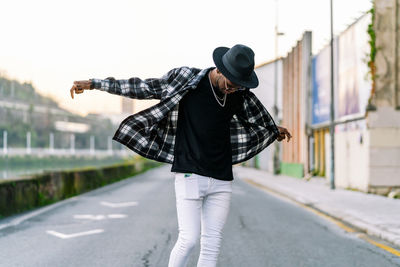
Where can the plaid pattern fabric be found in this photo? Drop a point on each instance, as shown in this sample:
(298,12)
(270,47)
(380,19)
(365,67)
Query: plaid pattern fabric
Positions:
(151,132)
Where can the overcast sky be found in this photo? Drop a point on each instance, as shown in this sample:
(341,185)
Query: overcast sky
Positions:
(52,43)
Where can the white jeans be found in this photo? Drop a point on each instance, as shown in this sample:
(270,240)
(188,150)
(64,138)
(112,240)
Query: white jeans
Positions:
(201,202)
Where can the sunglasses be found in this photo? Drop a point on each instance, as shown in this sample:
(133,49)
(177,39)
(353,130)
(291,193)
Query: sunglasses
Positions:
(233,88)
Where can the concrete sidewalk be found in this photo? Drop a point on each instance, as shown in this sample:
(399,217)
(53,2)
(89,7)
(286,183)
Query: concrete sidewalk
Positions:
(374,214)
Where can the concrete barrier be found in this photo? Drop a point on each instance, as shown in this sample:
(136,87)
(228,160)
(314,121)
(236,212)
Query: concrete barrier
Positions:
(43,189)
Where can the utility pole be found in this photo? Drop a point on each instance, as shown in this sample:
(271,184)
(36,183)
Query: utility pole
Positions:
(332,122)
(109,145)
(51,143)
(276,110)
(28,143)
(72,143)
(12,89)
(91,145)
(5,143)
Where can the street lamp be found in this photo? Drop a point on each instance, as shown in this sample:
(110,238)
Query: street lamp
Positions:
(276,110)
(332,122)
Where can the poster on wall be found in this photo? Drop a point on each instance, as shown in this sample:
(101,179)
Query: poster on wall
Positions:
(321,85)
(354,85)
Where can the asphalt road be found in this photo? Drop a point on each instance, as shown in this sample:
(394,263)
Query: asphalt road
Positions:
(133,223)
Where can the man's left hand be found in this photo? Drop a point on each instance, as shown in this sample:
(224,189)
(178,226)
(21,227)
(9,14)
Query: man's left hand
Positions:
(283,133)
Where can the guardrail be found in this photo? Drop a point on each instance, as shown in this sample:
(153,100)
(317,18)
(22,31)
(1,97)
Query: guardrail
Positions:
(65,152)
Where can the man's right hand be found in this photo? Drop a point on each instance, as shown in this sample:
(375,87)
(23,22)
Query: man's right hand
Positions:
(80,86)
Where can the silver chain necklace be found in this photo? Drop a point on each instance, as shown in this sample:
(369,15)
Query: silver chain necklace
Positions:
(215,95)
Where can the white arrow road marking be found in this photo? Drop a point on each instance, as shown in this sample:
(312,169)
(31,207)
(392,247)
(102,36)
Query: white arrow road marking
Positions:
(20,219)
(99,217)
(90,217)
(118,205)
(65,236)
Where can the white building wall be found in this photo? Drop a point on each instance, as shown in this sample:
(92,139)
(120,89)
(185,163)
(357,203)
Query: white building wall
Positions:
(265,93)
(351,156)
(353,88)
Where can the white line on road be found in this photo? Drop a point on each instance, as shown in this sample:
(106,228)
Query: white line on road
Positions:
(117,216)
(65,236)
(118,205)
(90,217)
(99,217)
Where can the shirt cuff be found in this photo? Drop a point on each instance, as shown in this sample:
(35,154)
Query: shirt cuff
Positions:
(97,84)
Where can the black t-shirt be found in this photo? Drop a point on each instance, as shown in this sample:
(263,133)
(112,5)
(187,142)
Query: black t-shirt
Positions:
(202,143)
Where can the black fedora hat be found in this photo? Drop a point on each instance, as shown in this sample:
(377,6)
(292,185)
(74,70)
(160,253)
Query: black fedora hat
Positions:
(237,65)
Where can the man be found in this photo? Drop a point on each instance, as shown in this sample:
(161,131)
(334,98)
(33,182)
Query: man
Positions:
(220,123)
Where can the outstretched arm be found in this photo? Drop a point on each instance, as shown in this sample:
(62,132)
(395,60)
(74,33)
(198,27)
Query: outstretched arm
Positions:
(133,88)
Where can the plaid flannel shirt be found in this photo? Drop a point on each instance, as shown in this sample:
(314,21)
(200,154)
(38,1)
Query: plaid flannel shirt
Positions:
(151,132)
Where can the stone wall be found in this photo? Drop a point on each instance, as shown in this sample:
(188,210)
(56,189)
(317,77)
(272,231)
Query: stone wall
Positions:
(24,194)
(384,122)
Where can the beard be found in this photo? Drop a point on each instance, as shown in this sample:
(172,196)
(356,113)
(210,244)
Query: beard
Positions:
(219,89)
